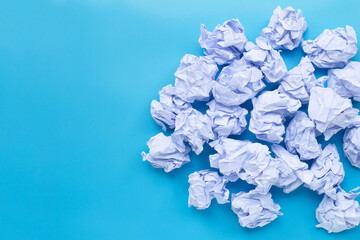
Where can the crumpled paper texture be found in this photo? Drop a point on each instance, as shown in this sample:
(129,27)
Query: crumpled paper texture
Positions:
(225,43)
(266,58)
(226,120)
(339,213)
(204,186)
(351,143)
(285,29)
(194,78)
(163,153)
(245,67)
(248,161)
(298,82)
(300,137)
(237,83)
(346,81)
(292,171)
(328,171)
(193,127)
(329,111)
(254,209)
(165,111)
(332,48)
(267,117)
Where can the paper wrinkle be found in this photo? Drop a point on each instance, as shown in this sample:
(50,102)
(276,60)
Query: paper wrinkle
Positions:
(237,83)
(332,48)
(291,170)
(329,111)
(268,114)
(226,120)
(346,82)
(165,111)
(195,77)
(298,82)
(266,58)
(300,137)
(204,186)
(254,209)
(193,127)
(248,161)
(163,153)
(225,43)
(285,29)
(328,171)
(351,143)
(339,213)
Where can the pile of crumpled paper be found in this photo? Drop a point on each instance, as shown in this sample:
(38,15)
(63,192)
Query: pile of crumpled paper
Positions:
(246,67)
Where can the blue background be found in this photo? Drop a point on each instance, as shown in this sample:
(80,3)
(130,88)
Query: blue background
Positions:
(76,81)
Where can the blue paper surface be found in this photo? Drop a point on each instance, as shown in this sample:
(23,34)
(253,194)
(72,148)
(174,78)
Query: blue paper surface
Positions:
(76,81)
